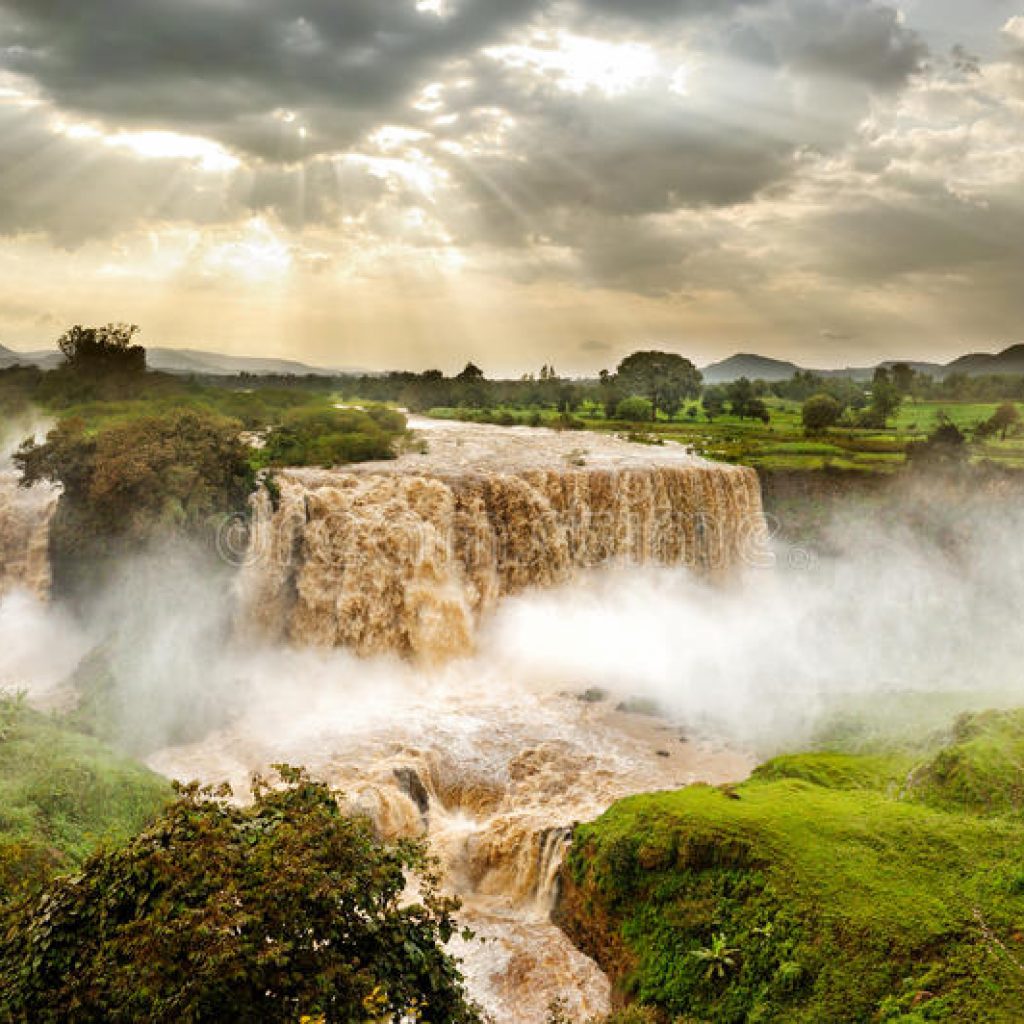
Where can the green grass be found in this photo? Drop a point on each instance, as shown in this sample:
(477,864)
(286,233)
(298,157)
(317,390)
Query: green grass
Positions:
(61,795)
(849,888)
(781,444)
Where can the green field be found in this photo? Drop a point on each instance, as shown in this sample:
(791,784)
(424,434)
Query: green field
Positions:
(880,886)
(782,443)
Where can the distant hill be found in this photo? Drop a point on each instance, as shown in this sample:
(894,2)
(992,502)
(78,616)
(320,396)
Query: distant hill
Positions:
(184,360)
(1010,360)
(865,373)
(191,360)
(754,367)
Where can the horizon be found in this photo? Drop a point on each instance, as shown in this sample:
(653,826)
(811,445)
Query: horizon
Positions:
(457,365)
(413,183)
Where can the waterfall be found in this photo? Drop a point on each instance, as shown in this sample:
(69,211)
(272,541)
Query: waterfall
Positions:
(25,515)
(407,557)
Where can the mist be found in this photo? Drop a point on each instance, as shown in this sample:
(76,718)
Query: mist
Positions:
(897,622)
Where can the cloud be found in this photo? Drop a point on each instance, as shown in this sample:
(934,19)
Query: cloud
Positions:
(859,40)
(238,72)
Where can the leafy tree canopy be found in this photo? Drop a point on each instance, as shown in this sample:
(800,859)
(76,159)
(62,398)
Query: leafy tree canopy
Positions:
(820,412)
(132,481)
(283,909)
(103,349)
(667,379)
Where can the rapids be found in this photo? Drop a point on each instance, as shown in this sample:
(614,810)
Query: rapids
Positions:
(361,651)
(492,771)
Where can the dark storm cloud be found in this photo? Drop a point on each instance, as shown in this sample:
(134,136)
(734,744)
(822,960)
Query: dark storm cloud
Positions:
(859,40)
(666,10)
(222,67)
(653,150)
(930,233)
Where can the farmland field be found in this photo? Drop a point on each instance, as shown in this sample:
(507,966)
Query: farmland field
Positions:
(782,443)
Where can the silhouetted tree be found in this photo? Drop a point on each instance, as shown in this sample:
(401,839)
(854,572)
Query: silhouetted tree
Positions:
(107,349)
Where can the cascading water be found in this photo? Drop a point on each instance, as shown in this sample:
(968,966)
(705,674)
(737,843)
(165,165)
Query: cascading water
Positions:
(410,558)
(407,557)
(382,578)
(492,771)
(25,515)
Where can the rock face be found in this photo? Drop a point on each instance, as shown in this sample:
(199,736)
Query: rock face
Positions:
(406,557)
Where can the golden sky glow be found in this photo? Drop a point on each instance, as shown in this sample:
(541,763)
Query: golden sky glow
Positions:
(397,183)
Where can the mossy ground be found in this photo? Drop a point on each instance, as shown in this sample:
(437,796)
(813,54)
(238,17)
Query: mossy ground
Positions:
(829,887)
(61,795)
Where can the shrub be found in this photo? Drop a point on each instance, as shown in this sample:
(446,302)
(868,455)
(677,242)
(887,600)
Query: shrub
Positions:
(133,480)
(272,912)
(635,409)
(329,436)
(820,412)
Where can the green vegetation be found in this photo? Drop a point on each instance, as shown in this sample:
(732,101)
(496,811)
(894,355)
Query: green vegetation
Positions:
(666,380)
(133,481)
(272,912)
(635,410)
(61,795)
(145,456)
(820,412)
(829,887)
(331,436)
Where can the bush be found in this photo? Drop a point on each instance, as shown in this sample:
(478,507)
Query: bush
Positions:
(280,910)
(329,436)
(635,409)
(820,412)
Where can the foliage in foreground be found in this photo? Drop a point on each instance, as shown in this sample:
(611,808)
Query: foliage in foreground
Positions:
(829,887)
(271,912)
(61,793)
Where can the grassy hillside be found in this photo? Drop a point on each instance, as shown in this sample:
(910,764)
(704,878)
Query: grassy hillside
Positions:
(61,795)
(828,887)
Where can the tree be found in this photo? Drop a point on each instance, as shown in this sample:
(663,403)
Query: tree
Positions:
(744,402)
(885,396)
(107,349)
(634,409)
(945,448)
(903,378)
(272,912)
(132,481)
(820,412)
(667,379)
(471,374)
(1005,418)
(713,402)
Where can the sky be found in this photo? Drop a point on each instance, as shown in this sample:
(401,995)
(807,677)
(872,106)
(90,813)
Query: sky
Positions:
(414,183)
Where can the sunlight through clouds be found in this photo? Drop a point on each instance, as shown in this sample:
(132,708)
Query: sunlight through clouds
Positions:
(577,63)
(707,176)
